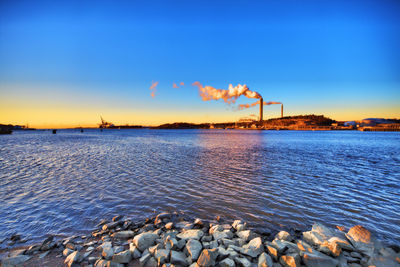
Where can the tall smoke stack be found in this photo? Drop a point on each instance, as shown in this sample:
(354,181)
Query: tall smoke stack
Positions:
(281,110)
(261,109)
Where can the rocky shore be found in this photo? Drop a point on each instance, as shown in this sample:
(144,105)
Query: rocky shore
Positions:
(169,239)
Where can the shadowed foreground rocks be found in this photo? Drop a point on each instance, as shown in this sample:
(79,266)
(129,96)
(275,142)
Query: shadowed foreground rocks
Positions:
(169,240)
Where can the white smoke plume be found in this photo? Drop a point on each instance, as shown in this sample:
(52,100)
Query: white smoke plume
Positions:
(174,85)
(229,96)
(244,106)
(153,88)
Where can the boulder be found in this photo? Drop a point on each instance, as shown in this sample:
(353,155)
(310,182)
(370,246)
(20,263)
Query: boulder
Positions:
(178,258)
(145,240)
(191,234)
(207,257)
(273,252)
(318,259)
(242,262)
(225,234)
(169,225)
(290,260)
(194,248)
(264,260)
(123,234)
(122,257)
(283,235)
(73,258)
(253,248)
(227,263)
(151,262)
(107,253)
(135,251)
(246,235)
(216,228)
(145,257)
(162,256)
(362,240)
(16,260)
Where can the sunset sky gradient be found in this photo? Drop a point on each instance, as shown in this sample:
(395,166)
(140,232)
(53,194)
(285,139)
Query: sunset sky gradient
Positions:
(63,64)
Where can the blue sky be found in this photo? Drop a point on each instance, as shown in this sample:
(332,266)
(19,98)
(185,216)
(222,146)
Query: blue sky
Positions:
(338,58)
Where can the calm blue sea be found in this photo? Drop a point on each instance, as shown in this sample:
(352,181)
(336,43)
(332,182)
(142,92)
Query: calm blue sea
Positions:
(65,183)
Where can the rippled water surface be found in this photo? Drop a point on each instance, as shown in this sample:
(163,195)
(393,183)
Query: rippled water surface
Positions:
(66,183)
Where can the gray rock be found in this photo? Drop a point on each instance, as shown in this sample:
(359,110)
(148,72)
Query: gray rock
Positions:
(73,258)
(67,251)
(153,249)
(101,263)
(135,251)
(12,261)
(32,249)
(198,222)
(265,260)
(228,242)
(169,225)
(283,235)
(151,262)
(214,244)
(381,261)
(225,234)
(178,258)
(290,260)
(122,257)
(107,253)
(16,252)
(145,257)
(273,252)
(191,234)
(171,243)
(242,262)
(123,234)
(118,249)
(253,248)
(194,248)
(227,263)
(363,240)
(206,238)
(109,226)
(216,228)
(236,223)
(114,264)
(145,240)
(246,235)
(207,257)
(41,256)
(318,259)
(181,243)
(162,256)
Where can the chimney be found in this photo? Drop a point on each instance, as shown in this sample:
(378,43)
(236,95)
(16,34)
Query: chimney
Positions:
(261,109)
(281,110)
